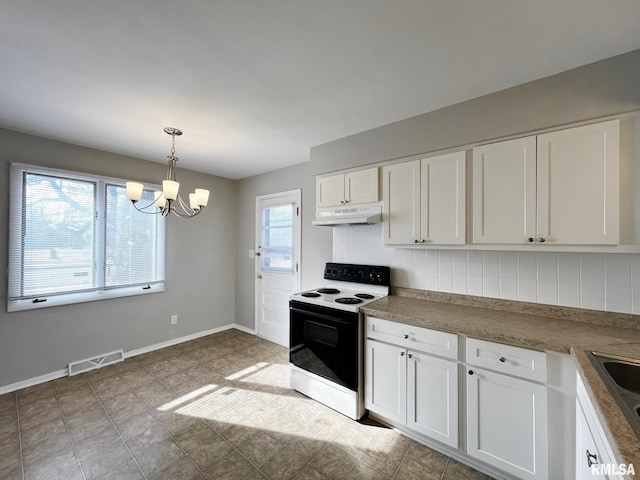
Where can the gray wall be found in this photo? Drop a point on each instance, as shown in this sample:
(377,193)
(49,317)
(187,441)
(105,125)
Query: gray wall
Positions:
(38,342)
(608,87)
(317,242)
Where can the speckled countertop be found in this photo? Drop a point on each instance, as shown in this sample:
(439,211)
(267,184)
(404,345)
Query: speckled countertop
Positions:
(538,327)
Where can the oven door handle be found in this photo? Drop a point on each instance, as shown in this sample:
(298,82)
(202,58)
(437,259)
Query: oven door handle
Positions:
(320,315)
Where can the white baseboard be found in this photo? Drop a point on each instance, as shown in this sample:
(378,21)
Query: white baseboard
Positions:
(244,329)
(47,377)
(175,341)
(30,382)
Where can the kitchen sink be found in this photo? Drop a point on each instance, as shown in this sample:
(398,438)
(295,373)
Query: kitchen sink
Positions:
(626,375)
(622,378)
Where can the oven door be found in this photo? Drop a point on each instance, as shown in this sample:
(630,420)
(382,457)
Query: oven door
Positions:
(325,341)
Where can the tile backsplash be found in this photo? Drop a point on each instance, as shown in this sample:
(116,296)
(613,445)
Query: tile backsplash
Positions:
(598,281)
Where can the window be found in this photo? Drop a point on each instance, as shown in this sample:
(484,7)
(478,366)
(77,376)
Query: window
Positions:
(277,237)
(77,238)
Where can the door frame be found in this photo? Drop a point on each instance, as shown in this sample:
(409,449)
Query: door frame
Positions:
(297,245)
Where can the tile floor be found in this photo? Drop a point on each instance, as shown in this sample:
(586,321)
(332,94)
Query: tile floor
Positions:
(218,407)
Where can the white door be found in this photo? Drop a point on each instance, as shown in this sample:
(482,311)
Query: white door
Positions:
(507,423)
(277,262)
(504,192)
(443,194)
(401,203)
(579,185)
(432,397)
(385,380)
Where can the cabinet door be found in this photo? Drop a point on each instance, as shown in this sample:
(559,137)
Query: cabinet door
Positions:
(443,186)
(401,203)
(507,423)
(504,192)
(579,185)
(330,191)
(361,186)
(587,453)
(432,397)
(385,380)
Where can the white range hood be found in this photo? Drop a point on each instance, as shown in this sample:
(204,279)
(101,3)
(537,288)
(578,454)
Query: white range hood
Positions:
(362,215)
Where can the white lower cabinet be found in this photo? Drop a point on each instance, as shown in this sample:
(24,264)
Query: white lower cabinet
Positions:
(432,397)
(507,423)
(594,456)
(587,452)
(507,418)
(385,380)
(411,388)
(509,411)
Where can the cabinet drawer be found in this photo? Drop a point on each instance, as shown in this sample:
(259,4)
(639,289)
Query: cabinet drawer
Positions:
(415,338)
(519,362)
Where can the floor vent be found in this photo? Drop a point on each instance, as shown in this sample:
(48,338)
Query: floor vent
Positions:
(95,362)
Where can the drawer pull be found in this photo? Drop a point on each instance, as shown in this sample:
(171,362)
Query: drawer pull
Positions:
(406,336)
(502,359)
(402,354)
(591,459)
(470,372)
(409,355)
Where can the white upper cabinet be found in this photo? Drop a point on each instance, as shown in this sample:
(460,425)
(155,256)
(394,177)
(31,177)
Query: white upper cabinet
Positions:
(579,185)
(504,191)
(424,201)
(401,203)
(347,188)
(442,199)
(330,191)
(558,188)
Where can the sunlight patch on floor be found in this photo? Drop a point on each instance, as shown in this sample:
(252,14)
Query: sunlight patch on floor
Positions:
(260,398)
(187,397)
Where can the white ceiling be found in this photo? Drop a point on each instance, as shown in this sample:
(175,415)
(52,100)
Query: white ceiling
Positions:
(255,83)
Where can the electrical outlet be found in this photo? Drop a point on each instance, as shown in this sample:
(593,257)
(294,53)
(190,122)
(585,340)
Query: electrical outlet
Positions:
(174,319)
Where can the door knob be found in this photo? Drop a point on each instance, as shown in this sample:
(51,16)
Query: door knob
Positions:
(259,276)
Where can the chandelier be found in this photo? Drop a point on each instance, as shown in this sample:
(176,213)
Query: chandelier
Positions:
(169,200)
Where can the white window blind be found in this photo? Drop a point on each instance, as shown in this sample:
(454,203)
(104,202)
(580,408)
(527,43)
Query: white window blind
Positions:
(76,238)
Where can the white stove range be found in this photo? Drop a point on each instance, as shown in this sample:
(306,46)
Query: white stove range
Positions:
(326,335)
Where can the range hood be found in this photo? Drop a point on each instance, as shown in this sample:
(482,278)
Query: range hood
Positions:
(363,215)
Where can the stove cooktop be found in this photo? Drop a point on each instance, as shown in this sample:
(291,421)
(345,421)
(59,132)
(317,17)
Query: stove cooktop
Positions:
(348,286)
(345,299)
